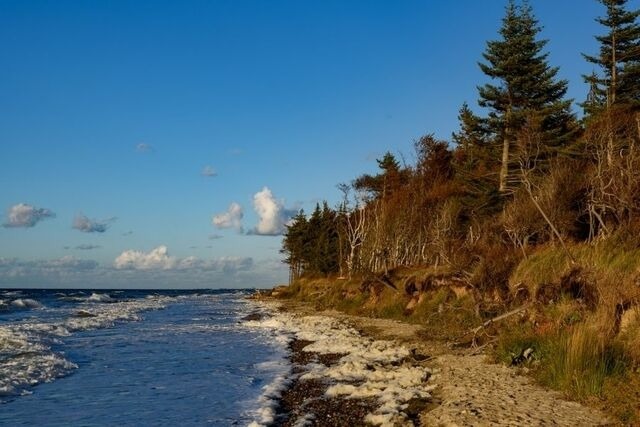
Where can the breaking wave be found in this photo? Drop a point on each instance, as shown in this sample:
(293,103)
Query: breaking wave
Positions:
(27,347)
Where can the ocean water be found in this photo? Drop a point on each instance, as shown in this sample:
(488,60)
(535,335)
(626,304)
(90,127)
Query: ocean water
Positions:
(135,358)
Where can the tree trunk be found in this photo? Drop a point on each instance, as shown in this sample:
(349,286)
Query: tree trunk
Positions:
(504,167)
(614,72)
(506,146)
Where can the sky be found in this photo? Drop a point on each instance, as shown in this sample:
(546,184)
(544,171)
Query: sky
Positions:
(165,144)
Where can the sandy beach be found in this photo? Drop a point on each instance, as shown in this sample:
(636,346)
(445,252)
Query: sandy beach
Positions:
(351,371)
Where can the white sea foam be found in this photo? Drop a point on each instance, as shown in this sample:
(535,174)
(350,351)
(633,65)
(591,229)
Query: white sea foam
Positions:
(12,293)
(280,368)
(26,303)
(26,357)
(106,315)
(369,368)
(26,360)
(96,297)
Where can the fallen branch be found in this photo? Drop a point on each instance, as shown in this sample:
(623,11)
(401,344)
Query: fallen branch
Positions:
(486,324)
(489,322)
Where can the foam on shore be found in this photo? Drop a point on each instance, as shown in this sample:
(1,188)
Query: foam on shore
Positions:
(369,368)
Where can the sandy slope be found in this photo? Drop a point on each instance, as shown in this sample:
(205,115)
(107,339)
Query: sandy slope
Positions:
(472,391)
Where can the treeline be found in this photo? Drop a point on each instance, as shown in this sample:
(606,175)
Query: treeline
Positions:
(526,173)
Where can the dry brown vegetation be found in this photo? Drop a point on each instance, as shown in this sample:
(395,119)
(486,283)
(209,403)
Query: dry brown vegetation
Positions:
(530,208)
(565,242)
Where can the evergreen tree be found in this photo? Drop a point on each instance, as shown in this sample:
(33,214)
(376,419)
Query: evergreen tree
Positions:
(525,82)
(386,182)
(471,140)
(294,243)
(618,59)
(328,261)
(311,245)
(476,163)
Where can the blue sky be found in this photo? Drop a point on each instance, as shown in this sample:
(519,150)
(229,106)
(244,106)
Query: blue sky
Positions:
(111,111)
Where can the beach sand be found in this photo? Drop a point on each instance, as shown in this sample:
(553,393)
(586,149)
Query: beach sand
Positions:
(352,371)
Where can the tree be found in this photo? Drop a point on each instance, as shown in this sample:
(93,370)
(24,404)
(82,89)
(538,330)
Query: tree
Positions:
(525,82)
(386,182)
(294,244)
(618,59)
(476,163)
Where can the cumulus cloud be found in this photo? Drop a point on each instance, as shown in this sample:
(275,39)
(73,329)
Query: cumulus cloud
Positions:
(143,147)
(232,218)
(209,171)
(160,259)
(87,225)
(24,215)
(272,215)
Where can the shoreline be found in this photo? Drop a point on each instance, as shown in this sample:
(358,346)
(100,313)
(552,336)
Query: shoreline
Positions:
(341,377)
(463,388)
(306,400)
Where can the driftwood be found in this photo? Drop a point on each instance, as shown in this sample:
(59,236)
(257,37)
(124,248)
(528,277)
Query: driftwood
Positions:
(474,332)
(489,322)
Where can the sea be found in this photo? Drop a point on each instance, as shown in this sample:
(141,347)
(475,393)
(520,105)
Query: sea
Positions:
(134,357)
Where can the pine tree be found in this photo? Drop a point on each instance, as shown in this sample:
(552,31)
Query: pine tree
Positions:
(525,82)
(386,182)
(618,59)
(471,139)
(294,244)
(475,163)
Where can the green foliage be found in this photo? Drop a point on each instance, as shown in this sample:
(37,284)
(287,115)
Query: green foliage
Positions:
(618,59)
(576,360)
(312,245)
(526,86)
(393,309)
(525,80)
(613,261)
(389,180)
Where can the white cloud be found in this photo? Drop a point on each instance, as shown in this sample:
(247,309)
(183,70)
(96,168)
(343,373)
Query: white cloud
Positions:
(158,258)
(24,215)
(272,215)
(87,225)
(232,218)
(209,171)
(143,147)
